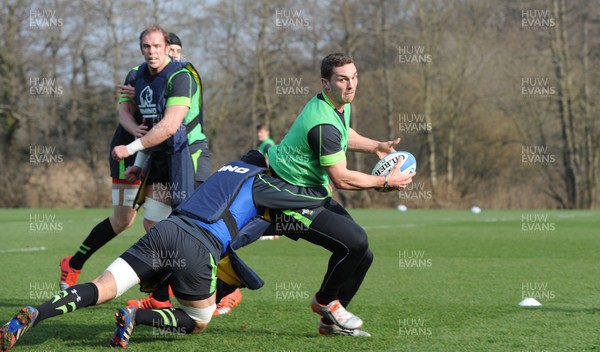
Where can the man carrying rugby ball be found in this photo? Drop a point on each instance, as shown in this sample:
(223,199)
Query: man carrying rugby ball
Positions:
(310,156)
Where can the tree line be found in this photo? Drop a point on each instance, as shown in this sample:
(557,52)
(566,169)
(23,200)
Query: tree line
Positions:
(495,99)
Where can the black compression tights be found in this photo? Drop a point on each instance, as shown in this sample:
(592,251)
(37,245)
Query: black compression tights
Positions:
(335,230)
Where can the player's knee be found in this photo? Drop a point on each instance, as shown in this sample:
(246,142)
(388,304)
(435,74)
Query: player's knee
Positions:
(118,278)
(201,316)
(120,226)
(121,222)
(367,259)
(200,327)
(359,243)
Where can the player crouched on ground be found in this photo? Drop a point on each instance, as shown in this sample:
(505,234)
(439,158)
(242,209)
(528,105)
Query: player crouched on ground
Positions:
(220,216)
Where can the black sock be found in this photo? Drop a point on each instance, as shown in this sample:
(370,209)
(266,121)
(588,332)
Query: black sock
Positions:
(223,289)
(161,294)
(100,235)
(168,319)
(67,301)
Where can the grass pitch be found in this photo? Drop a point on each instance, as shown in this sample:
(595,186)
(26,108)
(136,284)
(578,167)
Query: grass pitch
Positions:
(441,281)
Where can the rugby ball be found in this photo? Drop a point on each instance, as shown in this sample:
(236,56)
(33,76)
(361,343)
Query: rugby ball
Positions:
(408,165)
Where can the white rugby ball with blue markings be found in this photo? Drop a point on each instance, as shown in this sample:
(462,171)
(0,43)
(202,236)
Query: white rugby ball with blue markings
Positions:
(407,161)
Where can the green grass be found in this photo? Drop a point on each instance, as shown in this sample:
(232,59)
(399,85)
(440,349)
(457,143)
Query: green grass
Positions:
(462,294)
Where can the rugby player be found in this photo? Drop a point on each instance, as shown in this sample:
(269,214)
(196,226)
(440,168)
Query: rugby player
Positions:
(264,139)
(187,93)
(222,215)
(163,169)
(198,144)
(175,47)
(201,158)
(312,155)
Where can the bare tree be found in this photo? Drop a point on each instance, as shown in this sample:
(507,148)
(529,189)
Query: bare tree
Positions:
(430,32)
(576,124)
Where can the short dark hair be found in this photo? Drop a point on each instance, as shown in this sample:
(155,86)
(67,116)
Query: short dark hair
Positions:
(254,157)
(261,126)
(174,40)
(334,60)
(151,29)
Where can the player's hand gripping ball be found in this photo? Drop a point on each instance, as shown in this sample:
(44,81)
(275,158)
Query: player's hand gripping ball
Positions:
(408,165)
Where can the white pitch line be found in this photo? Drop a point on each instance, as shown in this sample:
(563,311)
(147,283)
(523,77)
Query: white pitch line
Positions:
(388,226)
(570,216)
(30,249)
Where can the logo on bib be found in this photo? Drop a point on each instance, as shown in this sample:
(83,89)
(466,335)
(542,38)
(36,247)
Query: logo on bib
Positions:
(237,169)
(147,109)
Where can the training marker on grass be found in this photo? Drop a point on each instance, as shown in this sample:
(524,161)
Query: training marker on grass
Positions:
(529,302)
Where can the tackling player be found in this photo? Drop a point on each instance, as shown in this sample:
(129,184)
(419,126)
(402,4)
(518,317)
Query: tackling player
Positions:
(221,216)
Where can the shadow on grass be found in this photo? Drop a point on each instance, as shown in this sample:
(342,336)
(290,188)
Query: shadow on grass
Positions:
(55,335)
(70,335)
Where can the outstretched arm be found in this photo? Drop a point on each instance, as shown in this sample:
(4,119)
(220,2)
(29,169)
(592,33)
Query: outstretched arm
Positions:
(358,143)
(343,178)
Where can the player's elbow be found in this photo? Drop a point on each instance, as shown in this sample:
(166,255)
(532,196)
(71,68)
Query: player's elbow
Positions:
(171,129)
(169,126)
(341,184)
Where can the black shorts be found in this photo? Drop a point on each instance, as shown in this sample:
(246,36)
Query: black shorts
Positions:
(169,255)
(291,208)
(201,159)
(117,168)
(159,167)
